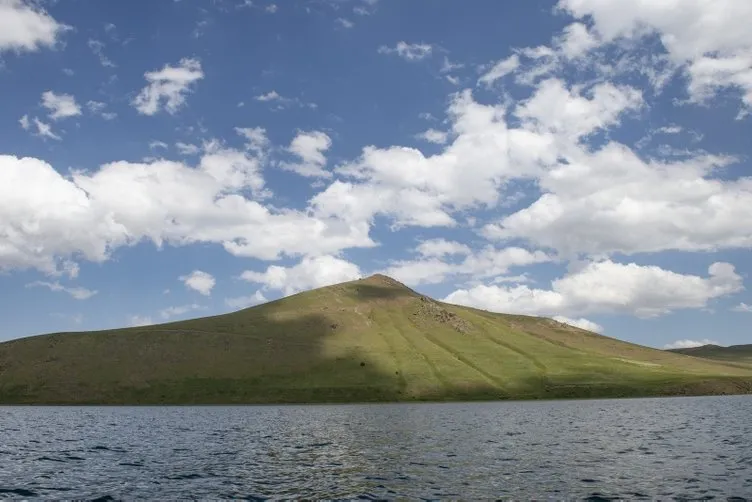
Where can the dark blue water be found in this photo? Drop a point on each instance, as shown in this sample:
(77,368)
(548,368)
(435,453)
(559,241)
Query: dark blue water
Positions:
(641,448)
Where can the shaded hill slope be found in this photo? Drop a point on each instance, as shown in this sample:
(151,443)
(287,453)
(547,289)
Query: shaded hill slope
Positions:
(367,340)
(738,354)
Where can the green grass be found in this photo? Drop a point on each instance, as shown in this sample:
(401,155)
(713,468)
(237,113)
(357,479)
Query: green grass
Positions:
(734,354)
(367,340)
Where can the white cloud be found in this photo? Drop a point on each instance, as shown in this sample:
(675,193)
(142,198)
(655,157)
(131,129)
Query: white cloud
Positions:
(60,105)
(137,320)
(44,130)
(441,247)
(180,310)
(711,39)
(186,148)
(433,136)
(555,109)
(256,140)
(271,8)
(576,40)
(742,307)
(309,273)
(154,145)
(242,302)
(95,106)
(97,48)
(581,323)
(447,66)
(500,70)
(269,96)
(78,293)
(345,23)
(200,281)
(408,52)
(309,146)
(608,287)
(47,219)
(612,201)
(24,26)
(688,344)
(24,122)
(98,107)
(479,264)
(415,189)
(168,87)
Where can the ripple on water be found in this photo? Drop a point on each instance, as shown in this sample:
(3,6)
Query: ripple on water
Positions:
(18,491)
(546,450)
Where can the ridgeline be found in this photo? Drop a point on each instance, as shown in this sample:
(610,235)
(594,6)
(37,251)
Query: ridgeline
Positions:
(367,340)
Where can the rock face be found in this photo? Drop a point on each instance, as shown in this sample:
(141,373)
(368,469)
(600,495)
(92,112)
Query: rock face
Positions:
(429,308)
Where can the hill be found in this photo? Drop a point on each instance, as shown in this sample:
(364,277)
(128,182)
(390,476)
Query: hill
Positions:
(736,354)
(367,340)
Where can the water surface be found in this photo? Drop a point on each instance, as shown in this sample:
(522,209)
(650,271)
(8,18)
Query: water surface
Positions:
(638,448)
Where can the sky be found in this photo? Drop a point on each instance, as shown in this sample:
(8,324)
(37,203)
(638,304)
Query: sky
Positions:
(587,160)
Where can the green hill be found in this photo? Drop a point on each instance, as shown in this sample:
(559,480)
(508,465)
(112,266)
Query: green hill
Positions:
(367,340)
(736,354)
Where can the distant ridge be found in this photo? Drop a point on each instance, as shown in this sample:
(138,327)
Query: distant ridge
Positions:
(738,354)
(373,339)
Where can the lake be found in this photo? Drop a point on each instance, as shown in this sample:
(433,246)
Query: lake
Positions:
(636,448)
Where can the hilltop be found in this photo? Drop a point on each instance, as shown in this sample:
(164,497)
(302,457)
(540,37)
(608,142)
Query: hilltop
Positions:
(368,340)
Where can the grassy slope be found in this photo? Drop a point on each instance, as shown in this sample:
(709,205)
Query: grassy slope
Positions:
(368,340)
(735,354)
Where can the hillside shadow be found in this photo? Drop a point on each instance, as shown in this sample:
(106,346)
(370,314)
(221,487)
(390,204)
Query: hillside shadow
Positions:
(372,292)
(271,354)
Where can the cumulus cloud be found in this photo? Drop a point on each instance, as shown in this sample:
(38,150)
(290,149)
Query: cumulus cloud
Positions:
(433,136)
(581,323)
(269,96)
(24,26)
(309,147)
(608,287)
(441,247)
(168,87)
(742,307)
(156,145)
(44,130)
(170,312)
(186,148)
(345,23)
(711,40)
(97,48)
(241,302)
(256,140)
(500,70)
(98,108)
(612,201)
(60,105)
(689,344)
(47,218)
(408,52)
(309,273)
(137,320)
(200,281)
(77,292)
(433,268)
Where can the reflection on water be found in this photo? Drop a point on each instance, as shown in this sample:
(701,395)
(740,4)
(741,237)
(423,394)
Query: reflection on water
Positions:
(641,448)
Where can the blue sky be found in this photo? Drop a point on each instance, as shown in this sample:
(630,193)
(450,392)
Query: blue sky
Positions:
(572,159)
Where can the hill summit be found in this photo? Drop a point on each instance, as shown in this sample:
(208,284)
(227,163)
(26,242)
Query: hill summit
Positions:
(373,339)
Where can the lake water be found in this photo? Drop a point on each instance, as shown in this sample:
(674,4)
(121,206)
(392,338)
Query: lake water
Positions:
(638,448)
